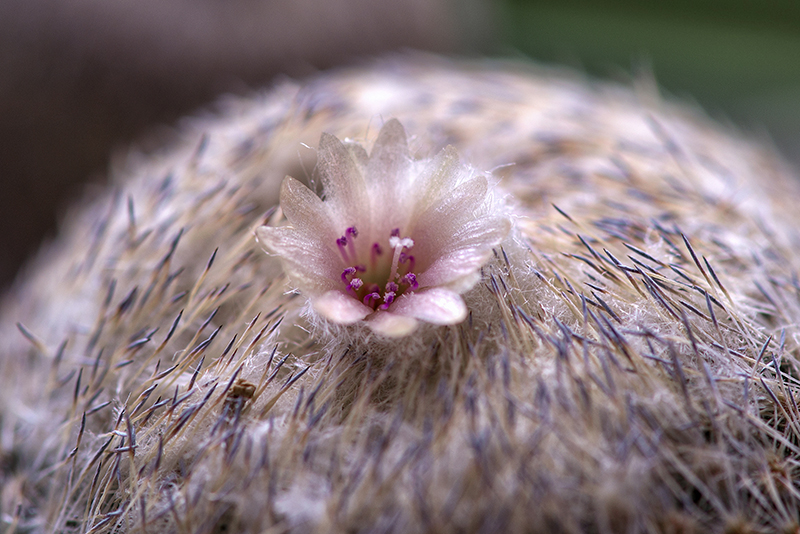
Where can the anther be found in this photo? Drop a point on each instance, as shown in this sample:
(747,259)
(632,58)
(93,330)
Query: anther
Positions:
(355,284)
(388,298)
(370,297)
(350,271)
(411,280)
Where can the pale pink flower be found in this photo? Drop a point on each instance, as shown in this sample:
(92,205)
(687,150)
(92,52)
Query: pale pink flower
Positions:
(393,241)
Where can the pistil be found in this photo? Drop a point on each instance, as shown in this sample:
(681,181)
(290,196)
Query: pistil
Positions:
(398,244)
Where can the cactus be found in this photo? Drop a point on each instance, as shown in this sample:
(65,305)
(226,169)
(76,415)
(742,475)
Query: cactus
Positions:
(628,361)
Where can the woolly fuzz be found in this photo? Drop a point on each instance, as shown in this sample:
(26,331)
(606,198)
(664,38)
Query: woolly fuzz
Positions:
(627,359)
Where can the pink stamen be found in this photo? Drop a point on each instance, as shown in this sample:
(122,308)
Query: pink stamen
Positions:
(352,233)
(373,293)
(376,251)
(341,243)
(411,280)
(408,258)
(388,298)
(350,271)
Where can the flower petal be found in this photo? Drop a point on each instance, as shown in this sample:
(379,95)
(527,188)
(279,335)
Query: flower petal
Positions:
(392,325)
(358,154)
(437,179)
(388,163)
(464,252)
(435,227)
(340,307)
(389,154)
(305,210)
(307,263)
(342,181)
(436,305)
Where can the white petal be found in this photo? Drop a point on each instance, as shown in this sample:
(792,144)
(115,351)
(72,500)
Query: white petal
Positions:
(358,154)
(389,154)
(307,262)
(465,252)
(485,232)
(388,165)
(391,325)
(464,283)
(340,307)
(435,226)
(454,266)
(438,178)
(305,210)
(436,305)
(342,181)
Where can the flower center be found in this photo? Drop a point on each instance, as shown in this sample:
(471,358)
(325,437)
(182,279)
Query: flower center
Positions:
(388,273)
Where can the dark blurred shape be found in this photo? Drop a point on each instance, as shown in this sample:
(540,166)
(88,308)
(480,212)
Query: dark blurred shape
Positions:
(80,78)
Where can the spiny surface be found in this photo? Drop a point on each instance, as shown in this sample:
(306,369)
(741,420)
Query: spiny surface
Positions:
(629,362)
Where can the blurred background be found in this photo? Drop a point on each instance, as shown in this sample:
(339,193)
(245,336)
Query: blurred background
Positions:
(83,79)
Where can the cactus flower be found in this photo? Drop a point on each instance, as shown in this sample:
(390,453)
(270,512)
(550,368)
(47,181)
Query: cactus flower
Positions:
(392,241)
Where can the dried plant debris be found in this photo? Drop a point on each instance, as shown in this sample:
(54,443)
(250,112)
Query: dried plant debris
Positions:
(618,349)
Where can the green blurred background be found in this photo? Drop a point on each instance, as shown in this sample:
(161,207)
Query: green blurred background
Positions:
(738,59)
